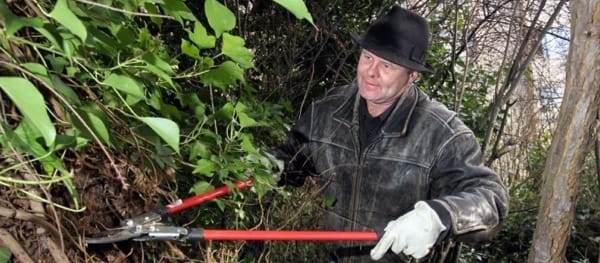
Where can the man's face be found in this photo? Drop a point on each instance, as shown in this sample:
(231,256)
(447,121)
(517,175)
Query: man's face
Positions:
(381,82)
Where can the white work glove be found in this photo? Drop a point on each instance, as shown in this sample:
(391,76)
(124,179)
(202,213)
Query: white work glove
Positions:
(413,234)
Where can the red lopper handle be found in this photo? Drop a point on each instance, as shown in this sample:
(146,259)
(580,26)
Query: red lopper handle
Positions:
(208,196)
(281,235)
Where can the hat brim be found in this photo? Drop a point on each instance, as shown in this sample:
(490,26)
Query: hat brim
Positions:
(389,55)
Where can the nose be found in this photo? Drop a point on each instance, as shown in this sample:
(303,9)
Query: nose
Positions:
(372,70)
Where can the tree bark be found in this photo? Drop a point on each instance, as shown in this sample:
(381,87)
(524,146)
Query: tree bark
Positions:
(597,151)
(572,139)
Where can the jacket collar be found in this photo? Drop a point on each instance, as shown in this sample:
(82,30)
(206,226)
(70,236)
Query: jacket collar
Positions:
(397,123)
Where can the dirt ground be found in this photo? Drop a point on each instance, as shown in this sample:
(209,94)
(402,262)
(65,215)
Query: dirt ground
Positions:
(36,231)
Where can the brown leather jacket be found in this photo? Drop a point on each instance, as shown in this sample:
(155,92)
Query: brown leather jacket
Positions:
(424,152)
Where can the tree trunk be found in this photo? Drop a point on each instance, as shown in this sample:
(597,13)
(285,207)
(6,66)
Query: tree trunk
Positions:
(572,139)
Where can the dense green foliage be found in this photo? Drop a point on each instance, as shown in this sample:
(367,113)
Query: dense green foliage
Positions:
(115,79)
(159,99)
(104,78)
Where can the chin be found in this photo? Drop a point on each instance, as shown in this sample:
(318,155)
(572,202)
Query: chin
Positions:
(367,95)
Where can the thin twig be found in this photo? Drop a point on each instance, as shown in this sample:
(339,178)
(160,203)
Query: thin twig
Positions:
(58,253)
(9,241)
(38,219)
(35,218)
(124,11)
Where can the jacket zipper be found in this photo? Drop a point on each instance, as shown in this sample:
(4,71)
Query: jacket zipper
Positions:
(360,156)
(356,184)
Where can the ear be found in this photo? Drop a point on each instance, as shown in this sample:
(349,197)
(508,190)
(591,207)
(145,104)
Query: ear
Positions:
(413,76)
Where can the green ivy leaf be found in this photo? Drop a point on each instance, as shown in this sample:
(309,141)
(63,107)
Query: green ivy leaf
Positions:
(125,84)
(226,112)
(297,7)
(233,47)
(201,187)
(166,129)
(4,255)
(102,42)
(247,144)
(190,49)
(50,32)
(329,201)
(53,81)
(65,17)
(158,66)
(31,103)
(39,70)
(69,46)
(14,23)
(156,61)
(178,10)
(205,167)
(64,142)
(125,35)
(200,37)
(95,122)
(65,90)
(245,120)
(97,125)
(27,133)
(220,18)
(199,149)
(152,8)
(223,75)
(13,137)
(261,181)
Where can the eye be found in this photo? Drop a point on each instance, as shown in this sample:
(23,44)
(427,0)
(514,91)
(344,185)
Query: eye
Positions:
(388,67)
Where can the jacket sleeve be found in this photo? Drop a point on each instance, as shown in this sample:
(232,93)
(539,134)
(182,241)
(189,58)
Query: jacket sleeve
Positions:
(473,196)
(295,154)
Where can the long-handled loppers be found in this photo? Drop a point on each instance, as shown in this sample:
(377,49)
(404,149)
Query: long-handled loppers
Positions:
(150,226)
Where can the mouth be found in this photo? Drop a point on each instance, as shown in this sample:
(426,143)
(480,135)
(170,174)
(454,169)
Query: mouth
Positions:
(369,86)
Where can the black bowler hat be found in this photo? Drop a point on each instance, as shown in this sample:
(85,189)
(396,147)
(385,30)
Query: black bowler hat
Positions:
(400,36)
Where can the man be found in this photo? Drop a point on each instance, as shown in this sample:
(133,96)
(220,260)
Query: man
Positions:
(395,161)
